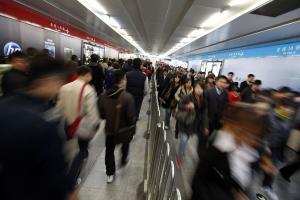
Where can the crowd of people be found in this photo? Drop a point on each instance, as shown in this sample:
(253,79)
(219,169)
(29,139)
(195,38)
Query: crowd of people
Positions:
(48,102)
(241,129)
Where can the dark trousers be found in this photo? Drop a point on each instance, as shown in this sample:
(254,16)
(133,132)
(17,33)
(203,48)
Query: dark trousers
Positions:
(138,105)
(277,155)
(291,168)
(110,156)
(77,163)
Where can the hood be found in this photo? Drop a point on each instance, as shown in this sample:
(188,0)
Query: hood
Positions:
(114,92)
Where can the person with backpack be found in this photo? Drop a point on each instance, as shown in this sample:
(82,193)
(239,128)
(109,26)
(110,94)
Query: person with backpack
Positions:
(118,109)
(78,100)
(189,117)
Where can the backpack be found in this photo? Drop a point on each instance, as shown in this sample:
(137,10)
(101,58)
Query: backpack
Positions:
(109,79)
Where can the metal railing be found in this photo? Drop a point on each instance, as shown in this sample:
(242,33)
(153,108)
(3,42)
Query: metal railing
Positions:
(162,180)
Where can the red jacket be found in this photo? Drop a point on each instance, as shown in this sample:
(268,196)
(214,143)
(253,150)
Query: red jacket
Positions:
(232,98)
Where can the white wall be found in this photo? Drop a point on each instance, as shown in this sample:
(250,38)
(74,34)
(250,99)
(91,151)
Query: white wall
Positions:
(273,71)
(111,53)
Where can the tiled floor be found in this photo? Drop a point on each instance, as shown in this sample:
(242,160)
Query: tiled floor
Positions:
(128,179)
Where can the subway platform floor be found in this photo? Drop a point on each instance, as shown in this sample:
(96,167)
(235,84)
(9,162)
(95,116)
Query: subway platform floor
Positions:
(128,182)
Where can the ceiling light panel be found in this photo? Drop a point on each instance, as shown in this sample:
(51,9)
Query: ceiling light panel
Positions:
(95,7)
(234,9)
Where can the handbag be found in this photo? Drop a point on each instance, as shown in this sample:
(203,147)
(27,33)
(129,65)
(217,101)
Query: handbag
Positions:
(122,135)
(186,117)
(83,126)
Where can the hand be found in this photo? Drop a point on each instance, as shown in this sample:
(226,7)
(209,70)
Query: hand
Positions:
(267,166)
(206,132)
(240,196)
(73,196)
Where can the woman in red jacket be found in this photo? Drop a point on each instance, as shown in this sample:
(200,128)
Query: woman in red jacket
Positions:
(233,95)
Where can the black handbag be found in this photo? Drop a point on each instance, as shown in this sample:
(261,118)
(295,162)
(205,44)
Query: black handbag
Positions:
(122,135)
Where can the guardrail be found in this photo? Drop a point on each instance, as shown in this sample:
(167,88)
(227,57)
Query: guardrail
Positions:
(161,180)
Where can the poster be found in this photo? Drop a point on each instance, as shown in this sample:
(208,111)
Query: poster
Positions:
(50,46)
(68,52)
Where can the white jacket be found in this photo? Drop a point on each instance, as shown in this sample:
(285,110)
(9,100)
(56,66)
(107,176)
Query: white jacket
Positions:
(68,101)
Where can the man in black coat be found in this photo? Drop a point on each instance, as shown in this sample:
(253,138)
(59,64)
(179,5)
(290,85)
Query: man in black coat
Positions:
(216,103)
(15,79)
(136,84)
(249,95)
(98,75)
(247,83)
(32,162)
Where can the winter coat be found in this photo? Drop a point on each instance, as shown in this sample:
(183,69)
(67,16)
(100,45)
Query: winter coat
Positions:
(108,111)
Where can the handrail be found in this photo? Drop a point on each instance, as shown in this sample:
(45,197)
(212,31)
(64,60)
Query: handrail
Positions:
(161,179)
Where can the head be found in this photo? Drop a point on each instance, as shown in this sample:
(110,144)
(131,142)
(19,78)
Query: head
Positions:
(187,83)
(230,76)
(120,78)
(246,122)
(198,90)
(74,58)
(233,88)
(286,107)
(137,63)
(285,92)
(18,61)
(129,62)
(94,58)
(177,78)
(165,72)
(202,74)
(46,76)
(116,65)
(256,85)
(84,73)
(221,82)
(250,78)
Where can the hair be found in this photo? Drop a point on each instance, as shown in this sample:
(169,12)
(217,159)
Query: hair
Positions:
(116,65)
(94,57)
(17,54)
(129,62)
(43,66)
(119,75)
(250,75)
(233,87)
(284,89)
(287,102)
(222,77)
(192,71)
(231,73)
(186,80)
(83,70)
(257,82)
(245,116)
(74,57)
(137,62)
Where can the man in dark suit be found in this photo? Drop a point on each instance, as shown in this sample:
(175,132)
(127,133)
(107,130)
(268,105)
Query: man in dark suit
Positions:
(216,103)
(136,84)
(249,94)
(247,83)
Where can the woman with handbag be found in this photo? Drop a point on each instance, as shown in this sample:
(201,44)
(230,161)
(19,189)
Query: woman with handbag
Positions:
(182,91)
(189,118)
(168,98)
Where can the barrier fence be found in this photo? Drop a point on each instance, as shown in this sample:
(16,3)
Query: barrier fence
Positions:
(162,180)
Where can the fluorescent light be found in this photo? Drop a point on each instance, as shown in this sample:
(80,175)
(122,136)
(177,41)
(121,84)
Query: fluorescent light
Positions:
(212,20)
(238,2)
(95,5)
(185,40)
(114,22)
(195,33)
(123,32)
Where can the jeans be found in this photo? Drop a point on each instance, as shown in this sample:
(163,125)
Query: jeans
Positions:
(183,141)
(77,163)
(110,156)
(275,157)
(168,113)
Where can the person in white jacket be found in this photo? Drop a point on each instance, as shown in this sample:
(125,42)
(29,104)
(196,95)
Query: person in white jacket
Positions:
(67,105)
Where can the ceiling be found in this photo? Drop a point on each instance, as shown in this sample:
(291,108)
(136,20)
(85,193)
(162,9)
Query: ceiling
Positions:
(155,25)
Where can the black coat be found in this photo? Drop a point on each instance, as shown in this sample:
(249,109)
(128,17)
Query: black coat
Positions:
(98,77)
(213,179)
(248,95)
(215,107)
(32,163)
(244,85)
(14,81)
(136,84)
(171,89)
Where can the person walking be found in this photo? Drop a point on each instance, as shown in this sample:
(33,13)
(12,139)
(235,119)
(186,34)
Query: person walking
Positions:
(247,83)
(97,74)
(137,85)
(118,109)
(79,98)
(249,94)
(190,118)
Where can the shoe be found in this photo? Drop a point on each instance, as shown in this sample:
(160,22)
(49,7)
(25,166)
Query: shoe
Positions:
(285,175)
(166,127)
(124,163)
(269,193)
(110,178)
